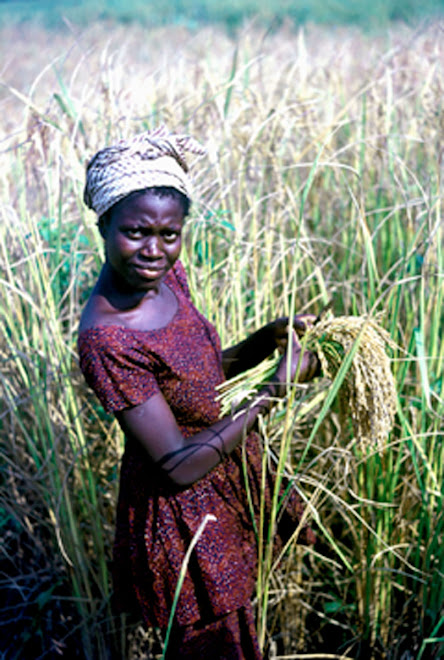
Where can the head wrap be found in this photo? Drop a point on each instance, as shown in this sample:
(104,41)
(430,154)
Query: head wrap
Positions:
(148,160)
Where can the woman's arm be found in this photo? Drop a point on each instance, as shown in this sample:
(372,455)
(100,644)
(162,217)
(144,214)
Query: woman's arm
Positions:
(186,460)
(249,352)
(261,344)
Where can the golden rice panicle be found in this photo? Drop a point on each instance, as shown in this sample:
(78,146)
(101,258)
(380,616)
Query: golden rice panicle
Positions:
(368,394)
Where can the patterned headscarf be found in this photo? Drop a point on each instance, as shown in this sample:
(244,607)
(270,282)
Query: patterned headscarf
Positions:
(148,160)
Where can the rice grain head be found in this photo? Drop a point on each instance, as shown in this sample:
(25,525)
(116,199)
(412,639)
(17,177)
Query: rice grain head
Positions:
(367,395)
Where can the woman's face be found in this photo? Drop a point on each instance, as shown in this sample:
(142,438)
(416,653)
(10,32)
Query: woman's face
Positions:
(143,239)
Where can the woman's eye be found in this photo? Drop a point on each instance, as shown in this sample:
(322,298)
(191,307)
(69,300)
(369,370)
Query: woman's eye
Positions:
(170,235)
(133,232)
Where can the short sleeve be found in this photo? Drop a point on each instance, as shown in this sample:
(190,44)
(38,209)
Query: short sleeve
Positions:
(116,367)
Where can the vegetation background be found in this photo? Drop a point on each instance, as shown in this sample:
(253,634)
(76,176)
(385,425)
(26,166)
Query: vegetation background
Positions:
(324,123)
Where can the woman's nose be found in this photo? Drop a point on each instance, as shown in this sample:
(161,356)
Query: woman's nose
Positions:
(151,247)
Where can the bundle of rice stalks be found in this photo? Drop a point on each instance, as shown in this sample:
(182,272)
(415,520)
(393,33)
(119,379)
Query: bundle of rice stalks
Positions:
(352,351)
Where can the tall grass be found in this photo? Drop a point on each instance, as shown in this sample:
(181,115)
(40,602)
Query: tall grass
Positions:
(323,180)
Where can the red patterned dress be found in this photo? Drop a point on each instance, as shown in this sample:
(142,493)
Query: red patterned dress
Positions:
(157,521)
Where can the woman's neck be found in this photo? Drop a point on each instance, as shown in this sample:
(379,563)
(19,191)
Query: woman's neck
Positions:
(120,295)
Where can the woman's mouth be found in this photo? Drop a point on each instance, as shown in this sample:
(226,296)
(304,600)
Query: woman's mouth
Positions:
(148,270)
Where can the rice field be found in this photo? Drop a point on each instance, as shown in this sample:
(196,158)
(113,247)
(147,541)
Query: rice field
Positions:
(322,182)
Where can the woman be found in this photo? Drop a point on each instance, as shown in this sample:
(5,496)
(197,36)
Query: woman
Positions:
(155,361)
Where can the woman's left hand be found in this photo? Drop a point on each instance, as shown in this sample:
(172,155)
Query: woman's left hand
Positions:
(280,329)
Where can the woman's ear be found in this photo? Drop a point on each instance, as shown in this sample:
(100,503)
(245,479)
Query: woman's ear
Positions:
(102,224)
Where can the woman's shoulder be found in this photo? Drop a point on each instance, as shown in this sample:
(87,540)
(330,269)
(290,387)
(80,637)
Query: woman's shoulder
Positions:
(97,311)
